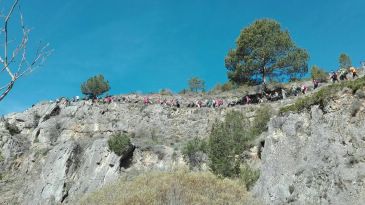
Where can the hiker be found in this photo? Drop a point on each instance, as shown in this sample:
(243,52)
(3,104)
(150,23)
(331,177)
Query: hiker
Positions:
(248,99)
(293,90)
(283,93)
(199,103)
(304,89)
(108,99)
(315,83)
(146,100)
(353,71)
(261,100)
(177,103)
(219,102)
(276,94)
(343,74)
(333,77)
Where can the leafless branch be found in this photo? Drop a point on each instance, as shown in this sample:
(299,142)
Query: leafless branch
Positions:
(20,53)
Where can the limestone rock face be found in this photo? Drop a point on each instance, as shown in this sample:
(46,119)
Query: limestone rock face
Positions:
(56,153)
(316,157)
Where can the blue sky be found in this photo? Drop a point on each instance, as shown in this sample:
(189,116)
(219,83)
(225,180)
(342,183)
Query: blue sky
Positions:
(152,44)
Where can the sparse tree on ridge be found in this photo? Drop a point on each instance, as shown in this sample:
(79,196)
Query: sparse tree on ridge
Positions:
(345,61)
(319,74)
(265,50)
(196,84)
(16,61)
(95,86)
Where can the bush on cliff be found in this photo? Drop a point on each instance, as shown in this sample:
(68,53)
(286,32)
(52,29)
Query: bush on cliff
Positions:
(119,143)
(229,139)
(194,152)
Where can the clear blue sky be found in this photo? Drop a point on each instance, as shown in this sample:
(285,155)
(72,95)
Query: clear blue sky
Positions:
(152,44)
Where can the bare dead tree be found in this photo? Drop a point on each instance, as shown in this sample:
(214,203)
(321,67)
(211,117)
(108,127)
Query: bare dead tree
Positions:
(15,60)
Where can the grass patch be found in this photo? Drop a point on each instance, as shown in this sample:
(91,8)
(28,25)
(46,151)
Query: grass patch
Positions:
(172,188)
(1,157)
(323,96)
(248,176)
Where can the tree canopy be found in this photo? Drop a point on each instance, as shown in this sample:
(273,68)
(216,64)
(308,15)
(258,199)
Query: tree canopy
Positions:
(265,50)
(345,61)
(319,74)
(95,86)
(196,84)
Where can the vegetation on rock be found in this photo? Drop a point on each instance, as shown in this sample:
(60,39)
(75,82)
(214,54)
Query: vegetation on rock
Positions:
(319,74)
(196,84)
(323,96)
(172,188)
(194,150)
(345,61)
(230,138)
(248,176)
(119,143)
(12,128)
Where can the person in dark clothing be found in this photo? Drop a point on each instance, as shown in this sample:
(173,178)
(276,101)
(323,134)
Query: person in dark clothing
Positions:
(315,83)
(334,77)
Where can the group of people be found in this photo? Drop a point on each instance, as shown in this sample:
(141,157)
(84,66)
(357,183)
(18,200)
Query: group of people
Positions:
(342,74)
(262,96)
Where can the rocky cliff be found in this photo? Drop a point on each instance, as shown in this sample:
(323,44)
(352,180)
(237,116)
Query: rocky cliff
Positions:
(316,156)
(53,153)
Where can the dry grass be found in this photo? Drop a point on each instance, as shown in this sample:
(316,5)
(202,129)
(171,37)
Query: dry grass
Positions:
(173,188)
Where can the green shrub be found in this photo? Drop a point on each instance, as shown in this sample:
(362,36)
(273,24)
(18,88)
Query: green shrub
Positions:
(119,143)
(248,176)
(1,157)
(95,86)
(166,91)
(227,140)
(355,107)
(323,96)
(194,150)
(184,91)
(217,88)
(319,74)
(222,156)
(12,128)
(196,84)
(262,117)
(228,86)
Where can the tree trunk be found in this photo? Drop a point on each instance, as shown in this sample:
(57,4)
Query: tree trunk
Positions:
(264,75)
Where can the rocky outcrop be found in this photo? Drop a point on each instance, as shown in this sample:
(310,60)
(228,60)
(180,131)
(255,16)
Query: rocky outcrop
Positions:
(53,153)
(316,157)
(61,152)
